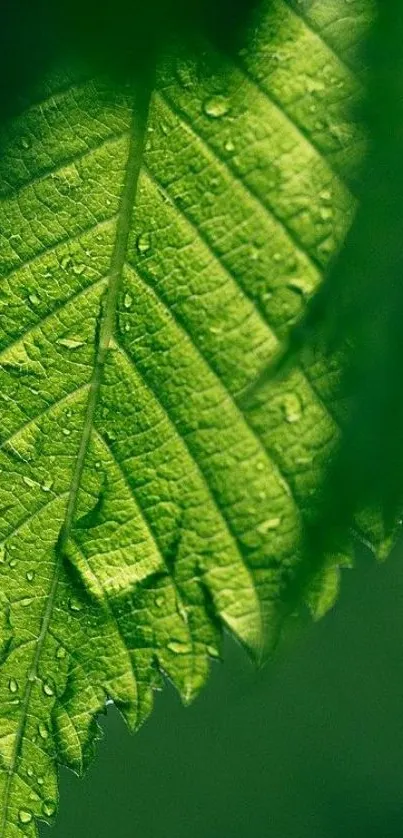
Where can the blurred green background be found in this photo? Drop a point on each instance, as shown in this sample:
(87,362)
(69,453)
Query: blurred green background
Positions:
(309,747)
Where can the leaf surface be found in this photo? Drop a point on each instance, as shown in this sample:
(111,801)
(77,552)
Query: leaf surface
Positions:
(148,275)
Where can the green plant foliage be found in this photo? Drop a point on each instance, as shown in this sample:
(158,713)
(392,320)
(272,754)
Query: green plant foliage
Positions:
(157,247)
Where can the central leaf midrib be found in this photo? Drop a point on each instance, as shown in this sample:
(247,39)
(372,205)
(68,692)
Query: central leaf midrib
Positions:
(108,315)
(105,334)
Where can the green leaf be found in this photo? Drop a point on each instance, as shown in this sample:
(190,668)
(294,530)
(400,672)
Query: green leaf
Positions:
(149,274)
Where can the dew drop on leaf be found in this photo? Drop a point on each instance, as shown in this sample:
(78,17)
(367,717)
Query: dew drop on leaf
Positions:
(13,685)
(65,262)
(216,106)
(70,343)
(270,524)
(34,299)
(178,648)
(49,808)
(292,408)
(78,269)
(304,461)
(128,300)
(25,816)
(48,689)
(143,243)
(26,142)
(43,732)
(47,484)
(30,575)
(160,600)
(61,653)
(301,286)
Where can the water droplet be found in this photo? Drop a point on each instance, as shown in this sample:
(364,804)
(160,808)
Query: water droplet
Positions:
(292,408)
(28,481)
(61,653)
(48,689)
(270,524)
(78,269)
(2,553)
(34,299)
(229,146)
(40,781)
(30,772)
(13,562)
(70,343)
(159,601)
(13,685)
(179,648)
(216,106)
(25,816)
(43,732)
(65,262)
(303,461)
(49,808)
(213,652)
(74,605)
(47,484)
(301,285)
(30,575)
(143,243)
(127,327)
(26,142)
(66,431)
(185,74)
(128,300)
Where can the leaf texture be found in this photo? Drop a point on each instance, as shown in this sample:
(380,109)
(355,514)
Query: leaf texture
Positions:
(145,283)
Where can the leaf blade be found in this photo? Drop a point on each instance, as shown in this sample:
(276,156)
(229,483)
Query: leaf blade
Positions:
(225,245)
